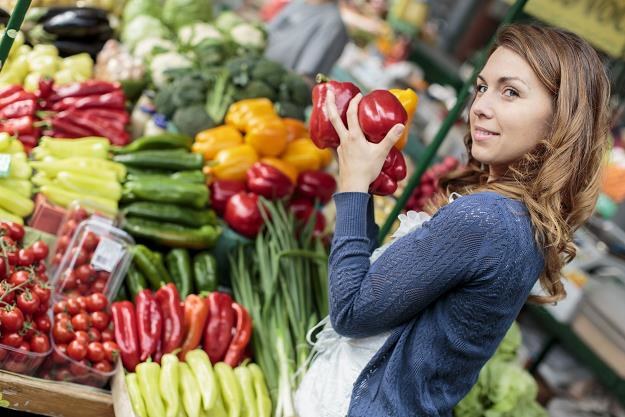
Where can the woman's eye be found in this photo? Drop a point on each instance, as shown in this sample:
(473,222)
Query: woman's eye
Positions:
(509,92)
(481,88)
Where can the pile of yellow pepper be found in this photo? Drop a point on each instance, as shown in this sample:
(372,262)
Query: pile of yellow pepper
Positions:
(254,132)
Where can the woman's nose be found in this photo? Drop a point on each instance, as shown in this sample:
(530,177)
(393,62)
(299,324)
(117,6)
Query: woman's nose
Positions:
(482,106)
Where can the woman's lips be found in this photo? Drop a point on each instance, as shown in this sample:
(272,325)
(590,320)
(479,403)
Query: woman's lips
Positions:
(480,134)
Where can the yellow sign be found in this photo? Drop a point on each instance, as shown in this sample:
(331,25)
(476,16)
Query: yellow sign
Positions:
(600,22)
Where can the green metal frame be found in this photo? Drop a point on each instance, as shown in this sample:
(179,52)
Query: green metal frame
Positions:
(13,26)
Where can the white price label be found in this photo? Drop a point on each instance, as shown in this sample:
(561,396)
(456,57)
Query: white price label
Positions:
(5,164)
(107,255)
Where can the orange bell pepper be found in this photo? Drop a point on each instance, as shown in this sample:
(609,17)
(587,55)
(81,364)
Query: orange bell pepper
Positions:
(209,142)
(303,155)
(409,100)
(295,129)
(240,112)
(232,163)
(326,156)
(284,167)
(267,135)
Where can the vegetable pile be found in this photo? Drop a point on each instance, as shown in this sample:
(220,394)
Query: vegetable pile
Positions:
(15,186)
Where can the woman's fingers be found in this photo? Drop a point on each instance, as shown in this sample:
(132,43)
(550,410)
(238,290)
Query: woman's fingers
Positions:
(393,136)
(335,117)
(352,118)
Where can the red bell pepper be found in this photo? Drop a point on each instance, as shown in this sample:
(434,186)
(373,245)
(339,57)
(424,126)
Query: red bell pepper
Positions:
(221,191)
(268,181)
(322,132)
(10,90)
(46,89)
(196,310)
(126,337)
(218,332)
(168,299)
(383,185)
(113,100)
(243,214)
(120,116)
(149,323)
(24,125)
(30,140)
(19,95)
(63,122)
(315,185)
(303,208)
(26,107)
(393,171)
(241,338)
(82,89)
(378,112)
(110,128)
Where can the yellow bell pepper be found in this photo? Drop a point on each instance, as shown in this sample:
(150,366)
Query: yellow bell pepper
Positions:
(282,166)
(267,135)
(295,129)
(241,111)
(232,163)
(302,154)
(409,100)
(209,142)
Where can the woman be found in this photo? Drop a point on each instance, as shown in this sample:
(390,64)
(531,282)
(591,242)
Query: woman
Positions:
(448,292)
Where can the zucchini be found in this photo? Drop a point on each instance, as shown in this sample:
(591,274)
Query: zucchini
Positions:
(166,191)
(171,213)
(177,160)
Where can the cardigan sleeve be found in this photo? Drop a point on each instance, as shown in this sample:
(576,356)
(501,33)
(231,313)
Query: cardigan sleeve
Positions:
(462,240)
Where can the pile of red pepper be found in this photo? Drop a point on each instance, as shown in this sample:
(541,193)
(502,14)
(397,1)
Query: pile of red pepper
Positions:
(160,323)
(90,108)
(18,110)
(378,112)
(237,201)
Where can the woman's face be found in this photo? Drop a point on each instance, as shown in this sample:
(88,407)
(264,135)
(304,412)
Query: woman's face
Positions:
(511,112)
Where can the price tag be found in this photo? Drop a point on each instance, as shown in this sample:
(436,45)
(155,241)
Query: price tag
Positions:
(107,255)
(5,165)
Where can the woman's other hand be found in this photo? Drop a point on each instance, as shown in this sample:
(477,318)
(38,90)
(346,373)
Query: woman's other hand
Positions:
(360,161)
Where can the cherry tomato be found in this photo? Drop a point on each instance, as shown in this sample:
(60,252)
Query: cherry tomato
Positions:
(41,268)
(68,228)
(4,268)
(24,346)
(90,241)
(111,351)
(63,374)
(94,335)
(83,289)
(11,319)
(62,244)
(79,214)
(62,315)
(95,352)
(79,368)
(58,357)
(56,261)
(77,350)
(60,307)
(25,257)
(104,366)
(99,320)
(99,285)
(83,273)
(40,343)
(69,282)
(12,257)
(11,339)
(73,306)
(42,310)
(82,302)
(104,275)
(81,321)
(80,256)
(62,331)
(82,336)
(43,323)
(7,297)
(97,302)
(43,292)
(28,302)
(40,250)
(28,329)
(16,231)
(19,277)
(108,335)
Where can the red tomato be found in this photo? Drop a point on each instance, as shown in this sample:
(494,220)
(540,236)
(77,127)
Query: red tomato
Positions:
(43,323)
(24,346)
(4,268)
(69,227)
(19,277)
(28,302)
(81,321)
(99,285)
(62,244)
(77,350)
(104,275)
(16,231)
(104,366)
(25,257)
(83,273)
(94,335)
(57,354)
(12,257)
(97,302)
(11,319)
(42,310)
(80,256)
(60,307)
(40,343)
(82,336)
(43,292)
(80,368)
(63,374)
(69,282)
(95,352)
(40,250)
(73,306)
(100,320)
(28,329)
(111,350)
(62,331)
(11,339)
(83,289)
(61,316)
(56,261)
(7,297)
(82,302)
(90,241)
(41,268)
(108,335)
(79,214)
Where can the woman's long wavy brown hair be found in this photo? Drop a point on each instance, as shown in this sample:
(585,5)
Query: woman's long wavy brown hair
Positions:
(559,180)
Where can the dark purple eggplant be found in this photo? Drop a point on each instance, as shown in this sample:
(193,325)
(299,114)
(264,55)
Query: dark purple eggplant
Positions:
(69,24)
(84,12)
(68,47)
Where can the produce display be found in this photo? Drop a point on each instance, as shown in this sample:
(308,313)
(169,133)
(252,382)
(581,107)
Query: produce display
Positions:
(15,186)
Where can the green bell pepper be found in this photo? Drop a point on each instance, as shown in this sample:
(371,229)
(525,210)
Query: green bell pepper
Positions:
(205,272)
(179,266)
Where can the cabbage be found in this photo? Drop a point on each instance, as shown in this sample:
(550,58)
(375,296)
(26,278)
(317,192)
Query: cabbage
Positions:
(142,27)
(134,8)
(167,61)
(195,33)
(178,13)
(148,47)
